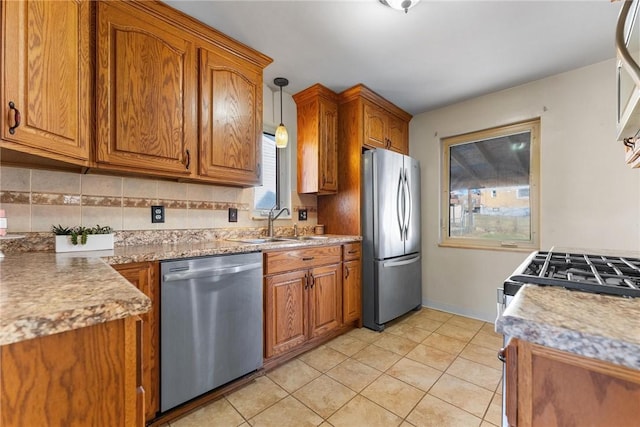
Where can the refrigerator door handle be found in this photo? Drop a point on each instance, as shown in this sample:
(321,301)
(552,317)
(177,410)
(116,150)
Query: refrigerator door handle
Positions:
(408,202)
(403,262)
(399,194)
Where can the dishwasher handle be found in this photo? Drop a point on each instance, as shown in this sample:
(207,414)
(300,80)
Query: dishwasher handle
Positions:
(209,272)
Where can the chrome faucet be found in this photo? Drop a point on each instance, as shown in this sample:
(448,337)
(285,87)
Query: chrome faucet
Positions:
(273,217)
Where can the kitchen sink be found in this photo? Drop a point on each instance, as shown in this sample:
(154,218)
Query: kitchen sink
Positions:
(258,240)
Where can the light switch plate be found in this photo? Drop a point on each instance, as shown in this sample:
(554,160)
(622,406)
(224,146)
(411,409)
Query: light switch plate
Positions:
(233,215)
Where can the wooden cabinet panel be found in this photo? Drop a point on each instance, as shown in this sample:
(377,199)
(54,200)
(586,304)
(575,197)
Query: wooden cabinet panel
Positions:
(286,302)
(317,140)
(398,132)
(556,388)
(375,127)
(325,298)
(144,275)
(230,118)
(352,291)
(81,377)
(295,259)
(146,92)
(47,76)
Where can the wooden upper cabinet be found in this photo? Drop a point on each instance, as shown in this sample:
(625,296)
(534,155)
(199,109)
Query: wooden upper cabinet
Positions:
(382,124)
(398,132)
(47,78)
(375,127)
(317,140)
(146,92)
(230,118)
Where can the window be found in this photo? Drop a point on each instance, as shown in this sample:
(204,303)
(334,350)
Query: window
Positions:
(490,188)
(275,179)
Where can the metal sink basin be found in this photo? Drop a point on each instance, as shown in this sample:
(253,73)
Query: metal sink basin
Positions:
(258,240)
(306,238)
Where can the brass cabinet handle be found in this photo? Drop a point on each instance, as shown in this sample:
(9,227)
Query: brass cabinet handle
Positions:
(188,160)
(307,258)
(306,281)
(16,118)
(502,355)
(346,272)
(313,280)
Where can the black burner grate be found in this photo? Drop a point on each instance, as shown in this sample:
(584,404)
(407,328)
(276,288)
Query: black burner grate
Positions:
(590,273)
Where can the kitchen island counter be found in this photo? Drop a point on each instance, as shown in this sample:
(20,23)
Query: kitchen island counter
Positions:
(46,293)
(597,326)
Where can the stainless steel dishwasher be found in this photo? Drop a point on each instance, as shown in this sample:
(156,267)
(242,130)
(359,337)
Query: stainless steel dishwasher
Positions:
(210,324)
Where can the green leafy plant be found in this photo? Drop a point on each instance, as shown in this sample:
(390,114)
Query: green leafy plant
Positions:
(80,234)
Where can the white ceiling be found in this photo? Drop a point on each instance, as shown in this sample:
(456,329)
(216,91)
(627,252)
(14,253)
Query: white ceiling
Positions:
(439,53)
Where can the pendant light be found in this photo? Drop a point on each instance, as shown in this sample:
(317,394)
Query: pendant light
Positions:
(282,136)
(400,4)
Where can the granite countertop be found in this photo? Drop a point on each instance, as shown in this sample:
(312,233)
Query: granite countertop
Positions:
(44,293)
(597,326)
(141,253)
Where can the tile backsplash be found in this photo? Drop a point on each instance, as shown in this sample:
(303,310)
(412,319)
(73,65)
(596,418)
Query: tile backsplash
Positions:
(36,199)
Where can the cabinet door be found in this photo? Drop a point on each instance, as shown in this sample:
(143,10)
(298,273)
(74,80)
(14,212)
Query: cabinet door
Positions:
(559,388)
(46,76)
(285,312)
(375,127)
(328,147)
(144,276)
(352,291)
(398,131)
(325,289)
(146,99)
(230,119)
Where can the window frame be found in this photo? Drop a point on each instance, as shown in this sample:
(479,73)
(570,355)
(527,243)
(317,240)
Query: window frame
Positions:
(283,181)
(446,240)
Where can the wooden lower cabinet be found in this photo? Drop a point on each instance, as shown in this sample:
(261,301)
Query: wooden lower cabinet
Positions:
(144,275)
(84,377)
(302,304)
(547,387)
(352,283)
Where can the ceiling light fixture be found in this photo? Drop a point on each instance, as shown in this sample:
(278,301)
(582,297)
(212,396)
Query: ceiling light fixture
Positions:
(400,4)
(282,136)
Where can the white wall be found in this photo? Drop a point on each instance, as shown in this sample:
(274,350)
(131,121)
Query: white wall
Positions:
(589,198)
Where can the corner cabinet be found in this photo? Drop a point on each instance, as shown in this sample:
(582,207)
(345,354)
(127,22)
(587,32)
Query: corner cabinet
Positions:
(47,79)
(628,80)
(146,92)
(230,132)
(317,140)
(548,387)
(303,296)
(145,277)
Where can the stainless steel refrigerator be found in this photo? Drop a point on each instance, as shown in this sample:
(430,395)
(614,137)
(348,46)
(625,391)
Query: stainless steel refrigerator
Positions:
(391,261)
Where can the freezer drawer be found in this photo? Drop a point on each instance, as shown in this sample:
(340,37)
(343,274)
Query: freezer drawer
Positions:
(399,287)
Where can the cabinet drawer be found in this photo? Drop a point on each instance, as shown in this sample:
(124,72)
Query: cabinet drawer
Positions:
(294,259)
(352,251)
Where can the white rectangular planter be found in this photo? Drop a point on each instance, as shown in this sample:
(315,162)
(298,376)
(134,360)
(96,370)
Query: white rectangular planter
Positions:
(95,242)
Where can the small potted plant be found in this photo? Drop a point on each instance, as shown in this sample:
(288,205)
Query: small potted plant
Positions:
(73,239)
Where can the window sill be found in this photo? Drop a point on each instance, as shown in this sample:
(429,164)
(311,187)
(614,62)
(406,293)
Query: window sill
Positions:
(525,249)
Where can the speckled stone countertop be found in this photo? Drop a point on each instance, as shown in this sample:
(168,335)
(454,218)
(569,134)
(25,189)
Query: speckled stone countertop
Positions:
(43,293)
(597,326)
(140,253)
(46,293)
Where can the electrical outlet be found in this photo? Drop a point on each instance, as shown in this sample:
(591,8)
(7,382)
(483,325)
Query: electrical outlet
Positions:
(302,214)
(157,213)
(233,215)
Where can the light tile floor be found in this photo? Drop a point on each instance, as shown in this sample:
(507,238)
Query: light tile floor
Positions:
(429,368)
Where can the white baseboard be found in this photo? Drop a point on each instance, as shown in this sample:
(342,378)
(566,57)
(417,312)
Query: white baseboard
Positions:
(486,317)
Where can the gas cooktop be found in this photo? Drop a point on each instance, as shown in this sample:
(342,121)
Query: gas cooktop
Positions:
(604,274)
